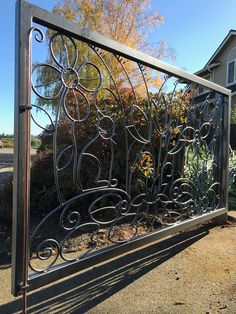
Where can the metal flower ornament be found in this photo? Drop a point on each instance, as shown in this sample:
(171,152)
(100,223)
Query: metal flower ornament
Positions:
(66,79)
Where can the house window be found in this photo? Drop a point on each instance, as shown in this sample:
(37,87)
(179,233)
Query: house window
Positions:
(231,77)
(231,67)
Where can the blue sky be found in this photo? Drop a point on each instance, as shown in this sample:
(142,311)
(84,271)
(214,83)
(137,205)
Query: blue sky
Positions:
(194,28)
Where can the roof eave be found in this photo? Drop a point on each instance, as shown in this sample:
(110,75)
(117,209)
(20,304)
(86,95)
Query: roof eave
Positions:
(231,33)
(207,68)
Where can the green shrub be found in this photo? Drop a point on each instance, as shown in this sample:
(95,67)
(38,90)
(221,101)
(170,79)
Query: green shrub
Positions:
(8,142)
(35,142)
(232,180)
(233,115)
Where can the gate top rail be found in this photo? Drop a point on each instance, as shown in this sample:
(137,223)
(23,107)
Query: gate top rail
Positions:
(58,22)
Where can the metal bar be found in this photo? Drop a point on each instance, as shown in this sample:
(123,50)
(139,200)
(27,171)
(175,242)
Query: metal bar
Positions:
(25,257)
(58,272)
(57,22)
(21,155)
(226,145)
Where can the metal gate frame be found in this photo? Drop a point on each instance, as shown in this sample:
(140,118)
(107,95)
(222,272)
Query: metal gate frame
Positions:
(26,14)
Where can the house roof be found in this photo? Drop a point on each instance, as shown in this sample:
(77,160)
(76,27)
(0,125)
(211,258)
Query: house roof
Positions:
(209,65)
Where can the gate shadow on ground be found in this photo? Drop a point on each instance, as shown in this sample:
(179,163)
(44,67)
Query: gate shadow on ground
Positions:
(84,291)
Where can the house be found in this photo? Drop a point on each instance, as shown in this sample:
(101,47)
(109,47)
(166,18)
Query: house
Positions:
(221,67)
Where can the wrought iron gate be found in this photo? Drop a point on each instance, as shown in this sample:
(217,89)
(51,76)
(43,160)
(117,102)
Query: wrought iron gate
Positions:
(135,149)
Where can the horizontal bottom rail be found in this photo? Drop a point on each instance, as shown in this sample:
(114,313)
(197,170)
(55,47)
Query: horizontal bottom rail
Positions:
(103,255)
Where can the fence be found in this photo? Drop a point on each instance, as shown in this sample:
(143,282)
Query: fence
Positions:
(135,149)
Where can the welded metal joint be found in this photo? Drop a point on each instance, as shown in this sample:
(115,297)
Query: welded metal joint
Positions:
(23,108)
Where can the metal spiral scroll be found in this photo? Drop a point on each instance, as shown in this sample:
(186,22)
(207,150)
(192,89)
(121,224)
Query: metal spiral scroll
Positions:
(169,153)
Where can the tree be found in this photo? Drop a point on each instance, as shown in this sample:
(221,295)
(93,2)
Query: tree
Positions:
(126,21)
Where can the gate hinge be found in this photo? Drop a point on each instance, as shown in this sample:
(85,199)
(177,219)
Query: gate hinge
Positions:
(23,108)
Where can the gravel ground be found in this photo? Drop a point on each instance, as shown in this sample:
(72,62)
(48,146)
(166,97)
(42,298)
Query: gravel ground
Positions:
(193,272)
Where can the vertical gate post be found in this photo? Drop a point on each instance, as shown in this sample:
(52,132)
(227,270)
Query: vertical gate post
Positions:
(21,179)
(222,219)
